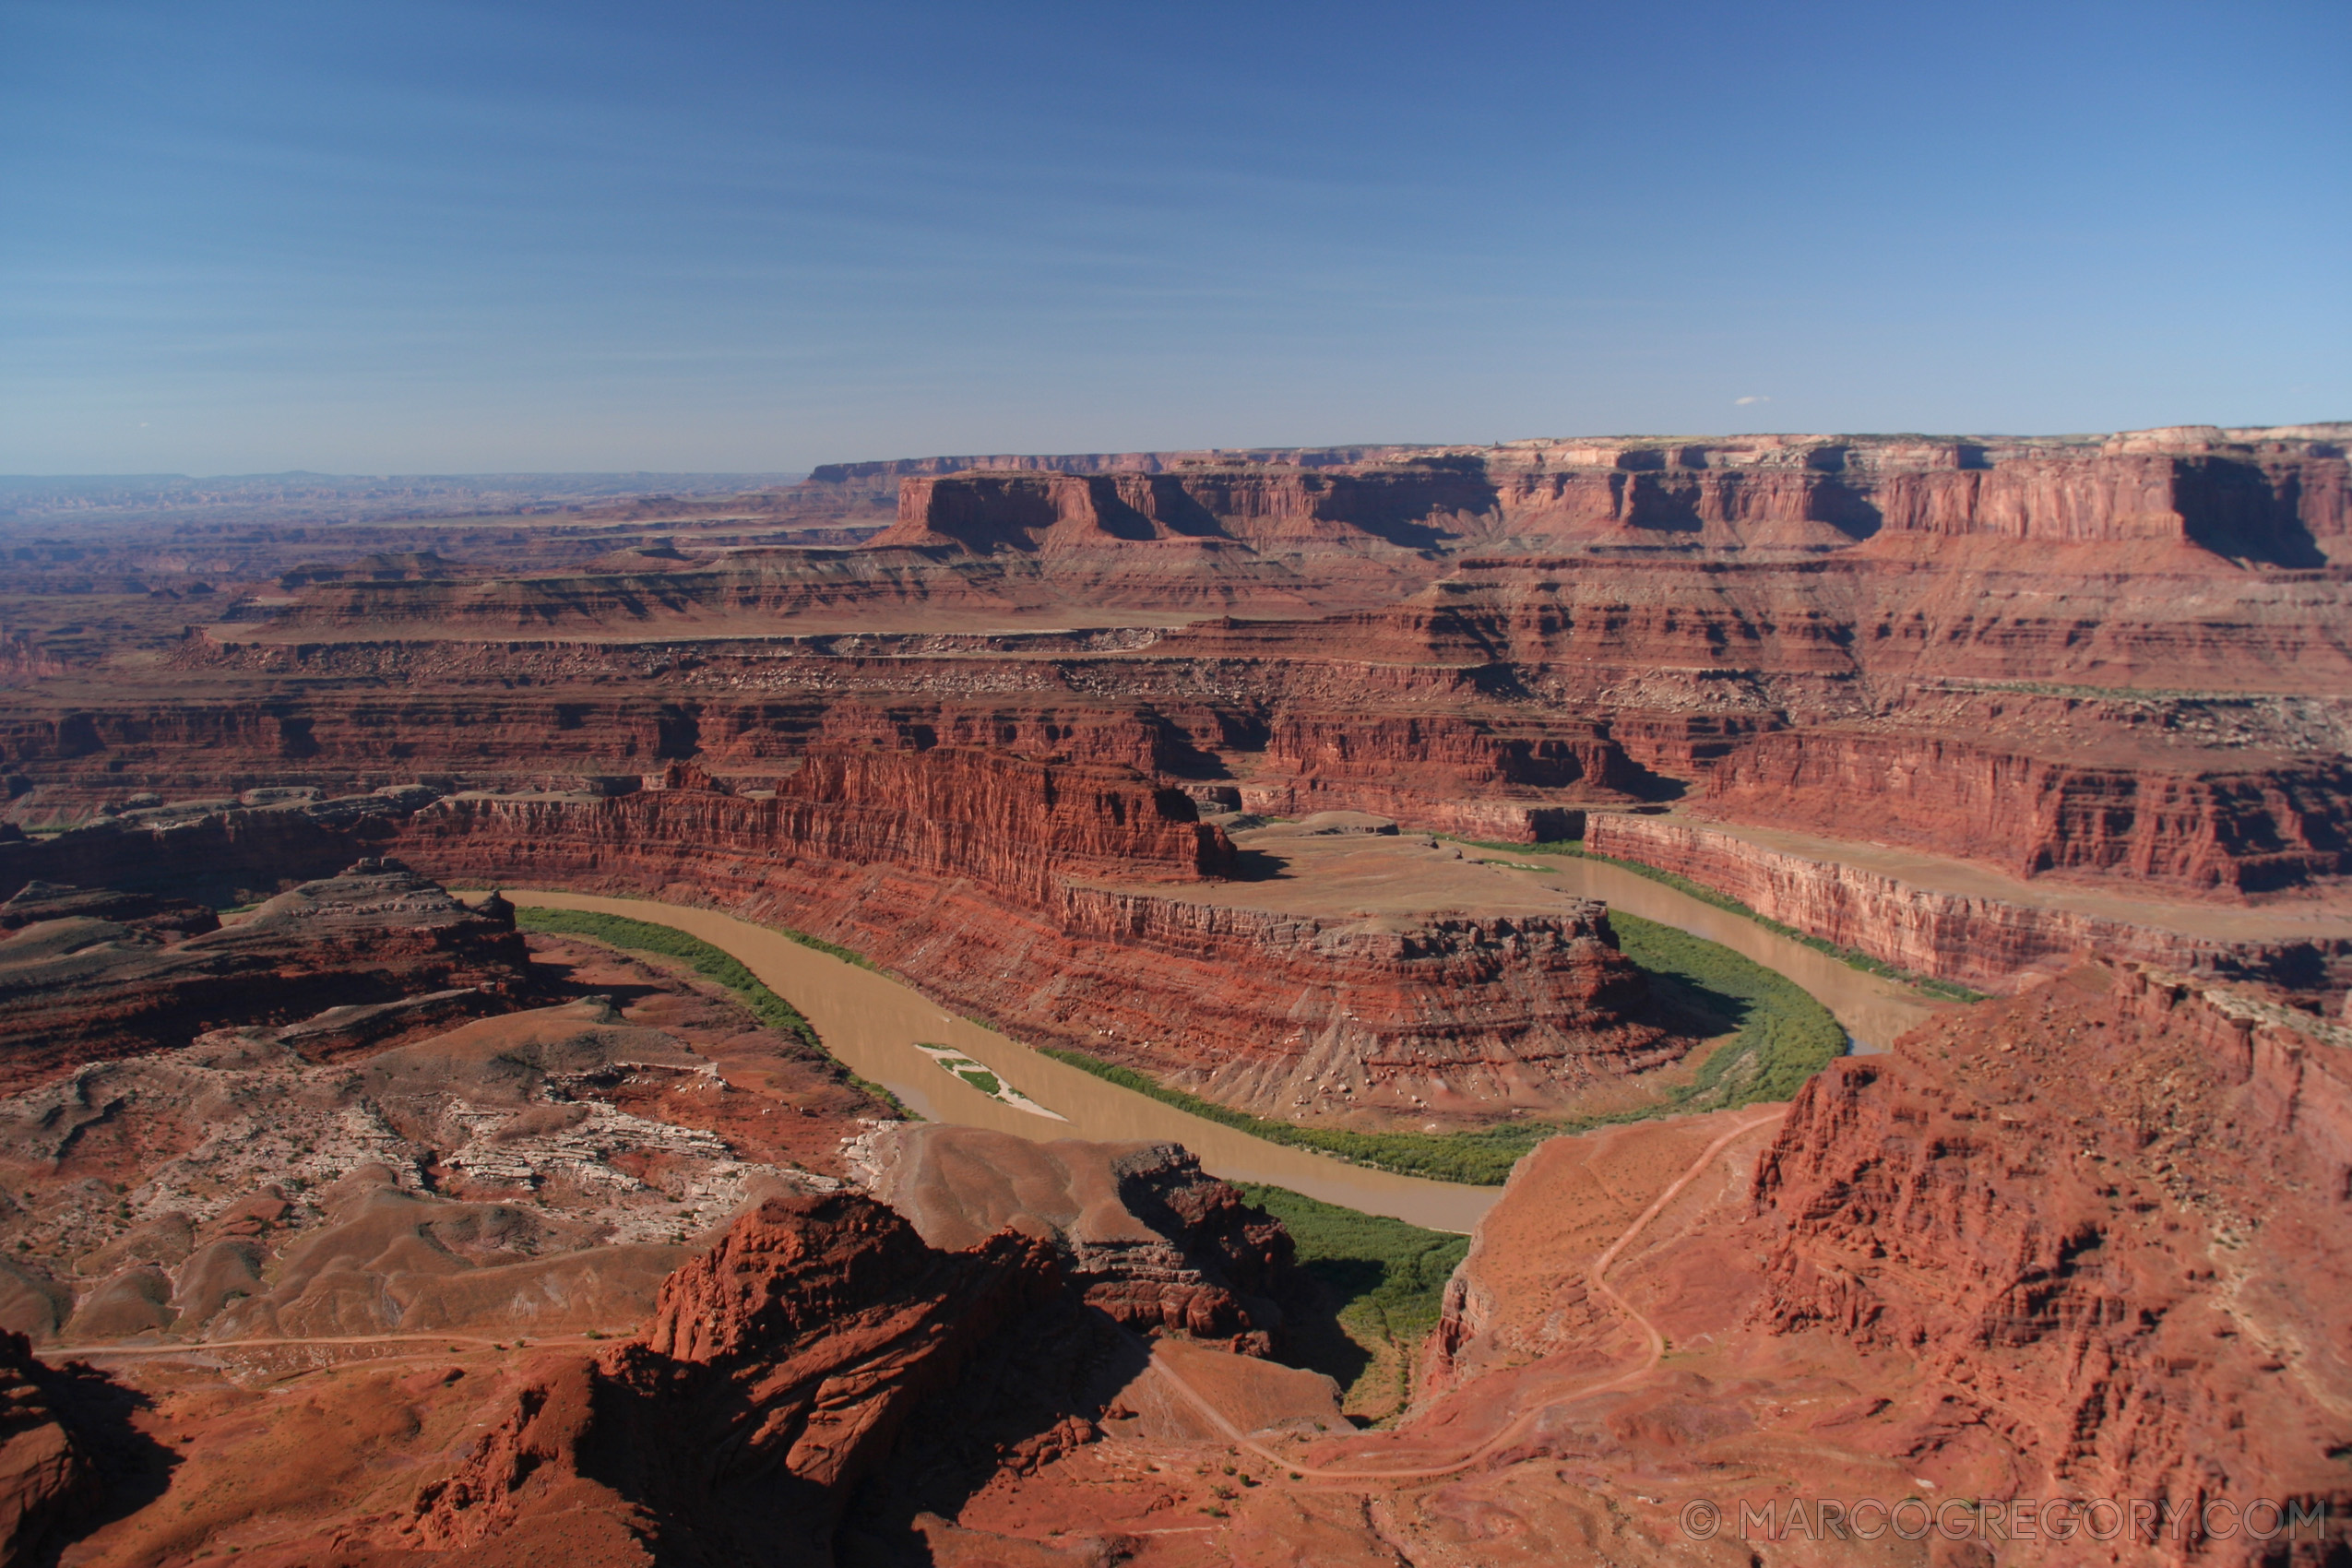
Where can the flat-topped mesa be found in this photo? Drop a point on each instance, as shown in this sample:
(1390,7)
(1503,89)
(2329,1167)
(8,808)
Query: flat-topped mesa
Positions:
(1015,825)
(2280,497)
(1267,507)
(2274,495)
(1358,1017)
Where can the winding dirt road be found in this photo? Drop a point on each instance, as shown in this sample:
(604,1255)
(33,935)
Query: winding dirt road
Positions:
(1526,1420)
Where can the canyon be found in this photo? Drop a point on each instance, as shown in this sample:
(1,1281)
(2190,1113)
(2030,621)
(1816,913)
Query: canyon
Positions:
(2089,661)
(2051,1282)
(358,1213)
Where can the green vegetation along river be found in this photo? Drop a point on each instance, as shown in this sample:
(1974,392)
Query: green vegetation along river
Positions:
(887,1032)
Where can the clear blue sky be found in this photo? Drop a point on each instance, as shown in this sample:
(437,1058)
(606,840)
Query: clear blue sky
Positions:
(397,236)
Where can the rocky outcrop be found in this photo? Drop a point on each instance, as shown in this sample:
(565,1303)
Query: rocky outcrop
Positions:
(2243,830)
(48,1479)
(1446,1013)
(1141,1231)
(1053,900)
(1987,944)
(776,1374)
(1049,895)
(1291,1014)
(2085,1214)
(77,986)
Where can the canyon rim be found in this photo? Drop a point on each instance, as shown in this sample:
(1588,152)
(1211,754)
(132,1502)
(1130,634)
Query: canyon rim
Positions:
(1861,923)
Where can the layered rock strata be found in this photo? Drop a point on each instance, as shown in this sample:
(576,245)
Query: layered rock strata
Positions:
(1987,944)
(2235,830)
(1351,1012)
(2273,494)
(75,985)
(1071,903)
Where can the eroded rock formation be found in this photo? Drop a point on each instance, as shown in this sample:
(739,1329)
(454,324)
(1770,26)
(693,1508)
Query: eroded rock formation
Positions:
(2050,1283)
(2096,1218)
(778,1369)
(374,1170)
(981,876)
(1139,1230)
(1975,939)
(384,949)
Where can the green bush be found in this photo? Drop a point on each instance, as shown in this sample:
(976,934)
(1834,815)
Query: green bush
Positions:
(1385,1276)
(712,963)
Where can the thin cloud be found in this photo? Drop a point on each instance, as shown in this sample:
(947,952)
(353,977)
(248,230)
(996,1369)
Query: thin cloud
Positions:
(1743,402)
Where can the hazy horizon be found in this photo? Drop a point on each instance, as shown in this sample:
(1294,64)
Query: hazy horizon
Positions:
(799,474)
(433,239)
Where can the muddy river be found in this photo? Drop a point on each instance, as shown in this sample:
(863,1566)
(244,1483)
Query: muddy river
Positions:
(876,1025)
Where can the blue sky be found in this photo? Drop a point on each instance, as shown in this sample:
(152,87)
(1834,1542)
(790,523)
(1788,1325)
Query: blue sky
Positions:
(409,237)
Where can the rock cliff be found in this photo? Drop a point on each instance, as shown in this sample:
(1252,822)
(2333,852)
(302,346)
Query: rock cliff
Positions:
(776,1374)
(1052,898)
(2236,829)
(2094,1216)
(2274,495)
(1012,824)
(48,1479)
(1987,944)
(75,985)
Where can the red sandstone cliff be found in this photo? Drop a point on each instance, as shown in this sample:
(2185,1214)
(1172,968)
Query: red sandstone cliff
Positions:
(1050,898)
(2097,1217)
(1012,823)
(1987,944)
(2240,829)
(2278,496)
(776,1374)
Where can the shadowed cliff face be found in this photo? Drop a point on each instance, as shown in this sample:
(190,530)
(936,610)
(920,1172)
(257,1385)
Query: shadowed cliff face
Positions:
(777,1373)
